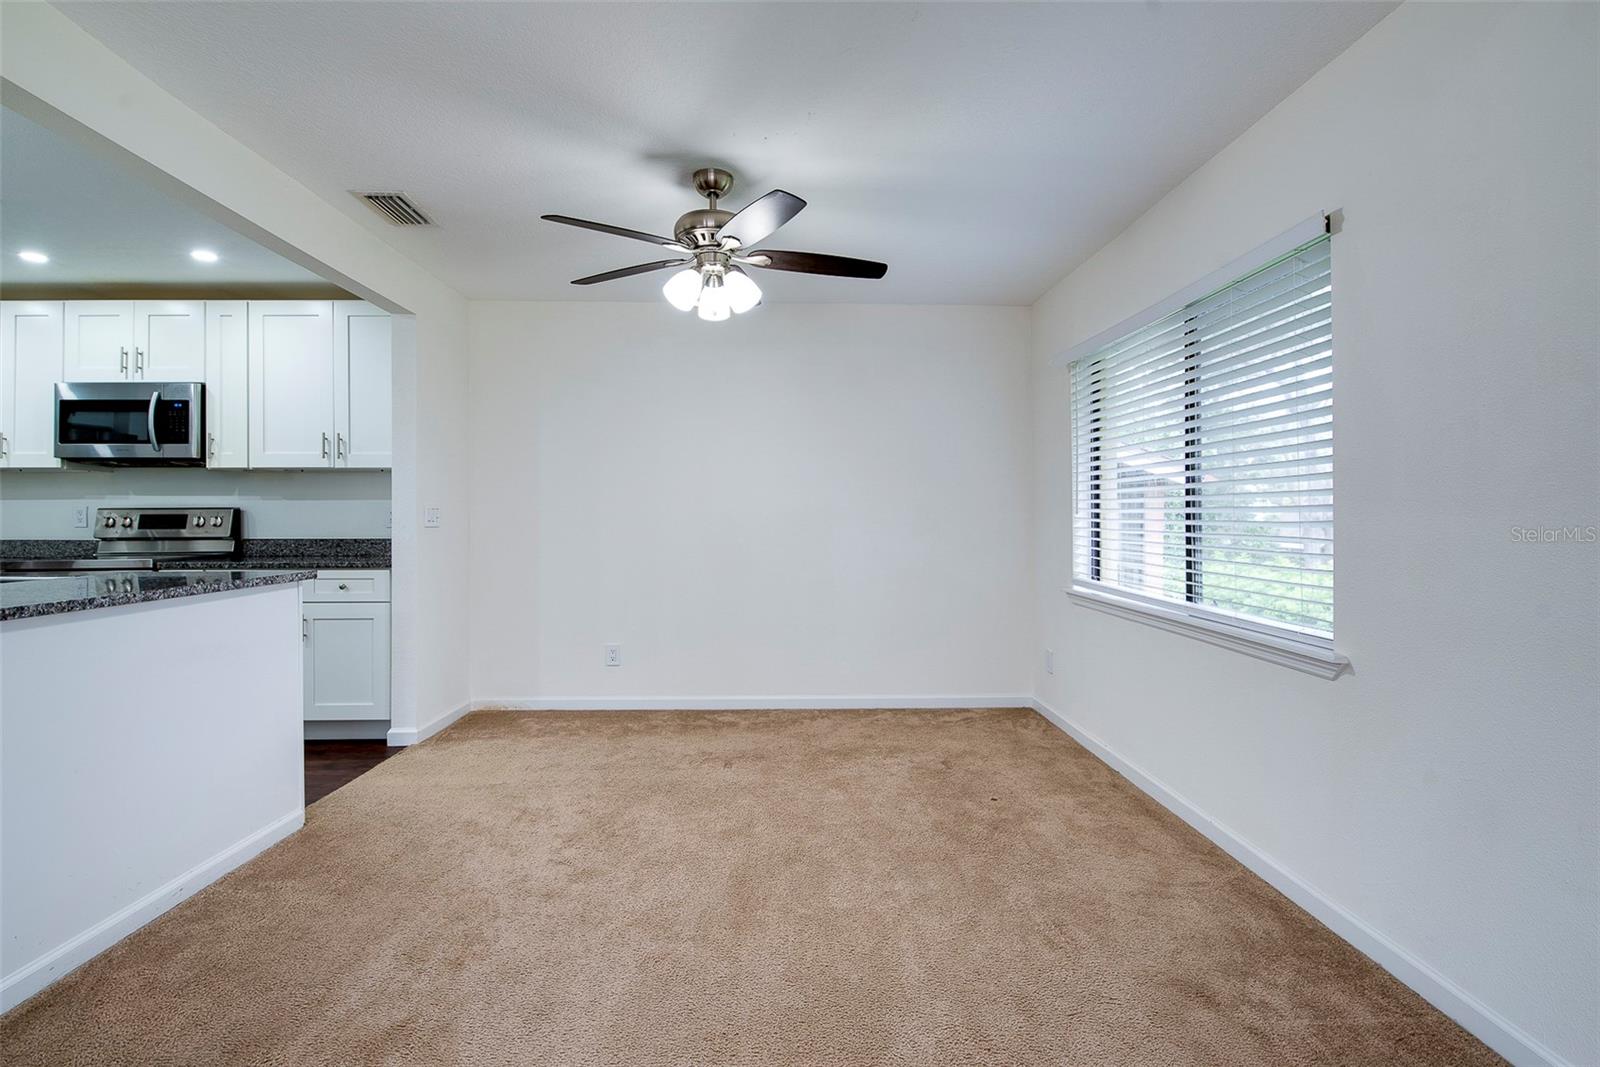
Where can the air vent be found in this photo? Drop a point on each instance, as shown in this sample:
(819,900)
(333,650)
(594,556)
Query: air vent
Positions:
(396,208)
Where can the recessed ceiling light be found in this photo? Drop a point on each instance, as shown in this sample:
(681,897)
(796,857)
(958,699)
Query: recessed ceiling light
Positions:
(30,256)
(203,255)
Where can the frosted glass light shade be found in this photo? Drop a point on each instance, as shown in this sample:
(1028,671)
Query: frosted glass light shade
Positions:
(743,292)
(714,305)
(683,289)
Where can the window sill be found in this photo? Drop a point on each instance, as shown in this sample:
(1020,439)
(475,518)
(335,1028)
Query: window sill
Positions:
(1283,651)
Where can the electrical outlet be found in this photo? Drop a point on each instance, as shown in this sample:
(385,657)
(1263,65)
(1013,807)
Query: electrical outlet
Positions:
(613,655)
(1049,661)
(430,516)
(388,519)
(80,518)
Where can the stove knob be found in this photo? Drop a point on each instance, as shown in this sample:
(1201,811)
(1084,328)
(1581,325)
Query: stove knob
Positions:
(199,520)
(111,520)
(127,520)
(216,520)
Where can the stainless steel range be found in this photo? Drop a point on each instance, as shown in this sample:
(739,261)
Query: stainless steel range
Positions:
(146,538)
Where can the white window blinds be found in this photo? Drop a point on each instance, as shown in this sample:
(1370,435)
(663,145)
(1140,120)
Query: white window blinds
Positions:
(1203,454)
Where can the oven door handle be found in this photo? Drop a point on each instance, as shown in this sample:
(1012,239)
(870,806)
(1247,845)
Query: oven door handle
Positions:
(155,398)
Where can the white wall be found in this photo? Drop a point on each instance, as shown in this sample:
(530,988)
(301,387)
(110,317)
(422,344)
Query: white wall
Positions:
(816,501)
(275,503)
(60,76)
(1446,792)
(126,785)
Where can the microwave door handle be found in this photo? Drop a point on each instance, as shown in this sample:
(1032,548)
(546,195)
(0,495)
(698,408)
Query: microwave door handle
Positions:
(155,398)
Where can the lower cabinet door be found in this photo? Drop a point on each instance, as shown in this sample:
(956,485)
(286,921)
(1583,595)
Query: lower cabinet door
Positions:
(346,661)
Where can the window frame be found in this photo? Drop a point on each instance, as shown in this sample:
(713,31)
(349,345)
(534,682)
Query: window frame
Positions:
(1280,643)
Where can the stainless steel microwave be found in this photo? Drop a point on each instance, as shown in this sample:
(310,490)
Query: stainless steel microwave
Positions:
(146,423)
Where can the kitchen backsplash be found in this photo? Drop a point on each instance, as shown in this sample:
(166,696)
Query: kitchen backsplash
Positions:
(43,505)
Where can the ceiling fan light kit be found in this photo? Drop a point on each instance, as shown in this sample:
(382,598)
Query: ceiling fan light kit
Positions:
(716,245)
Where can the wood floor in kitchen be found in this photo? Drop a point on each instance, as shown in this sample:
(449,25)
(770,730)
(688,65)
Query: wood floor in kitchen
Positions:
(331,764)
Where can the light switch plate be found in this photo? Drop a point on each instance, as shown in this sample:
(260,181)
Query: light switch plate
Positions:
(1049,661)
(430,516)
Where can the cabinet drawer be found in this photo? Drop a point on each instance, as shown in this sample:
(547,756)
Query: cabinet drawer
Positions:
(336,587)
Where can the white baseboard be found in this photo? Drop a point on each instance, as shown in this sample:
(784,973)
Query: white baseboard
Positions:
(753,703)
(32,977)
(1475,1017)
(407,736)
(346,730)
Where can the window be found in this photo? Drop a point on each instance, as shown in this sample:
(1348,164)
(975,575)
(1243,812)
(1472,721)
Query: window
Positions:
(1203,461)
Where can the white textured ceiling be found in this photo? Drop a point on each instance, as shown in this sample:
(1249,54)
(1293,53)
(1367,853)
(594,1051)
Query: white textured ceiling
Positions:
(982,150)
(99,226)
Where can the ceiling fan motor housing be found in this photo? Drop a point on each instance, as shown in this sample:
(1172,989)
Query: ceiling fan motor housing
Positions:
(699,227)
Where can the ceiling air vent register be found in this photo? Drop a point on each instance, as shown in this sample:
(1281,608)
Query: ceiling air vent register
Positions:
(396,209)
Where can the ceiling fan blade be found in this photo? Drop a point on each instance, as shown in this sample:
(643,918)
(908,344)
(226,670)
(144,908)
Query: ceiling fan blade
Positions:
(761,218)
(816,263)
(628,272)
(620,231)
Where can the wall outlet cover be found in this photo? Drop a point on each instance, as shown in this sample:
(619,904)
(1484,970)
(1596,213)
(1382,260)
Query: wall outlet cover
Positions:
(613,655)
(430,516)
(80,518)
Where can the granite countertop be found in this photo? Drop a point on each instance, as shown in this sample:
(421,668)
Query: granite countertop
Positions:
(30,598)
(316,553)
(257,554)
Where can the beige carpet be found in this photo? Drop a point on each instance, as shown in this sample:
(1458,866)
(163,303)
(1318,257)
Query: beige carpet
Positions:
(821,888)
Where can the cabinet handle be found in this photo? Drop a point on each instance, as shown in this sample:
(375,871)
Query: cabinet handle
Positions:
(211,445)
(324,446)
(3,443)
(339,444)
(305,628)
(343,588)
(124,361)
(138,361)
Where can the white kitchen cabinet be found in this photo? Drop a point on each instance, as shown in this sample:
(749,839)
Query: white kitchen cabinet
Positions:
(362,386)
(99,341)
(30,365)
(127,340)
(347,661)
(291,384)
(227,376)
(169,341)
(346,637)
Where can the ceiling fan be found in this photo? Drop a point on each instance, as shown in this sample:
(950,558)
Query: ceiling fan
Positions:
(716,245)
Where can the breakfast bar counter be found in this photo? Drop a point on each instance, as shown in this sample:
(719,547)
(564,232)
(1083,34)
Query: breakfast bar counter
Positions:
(150,741)
(27,598)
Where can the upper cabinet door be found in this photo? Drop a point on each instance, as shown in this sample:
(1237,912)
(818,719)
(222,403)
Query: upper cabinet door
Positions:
(169,341)
(30,365)
(291,384)
(227,384)
(99,341)
(362,393)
